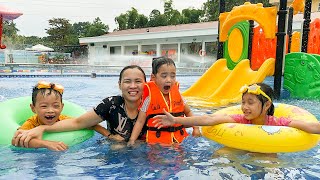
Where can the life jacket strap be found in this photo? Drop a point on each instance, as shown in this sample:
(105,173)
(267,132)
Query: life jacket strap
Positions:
(167,129)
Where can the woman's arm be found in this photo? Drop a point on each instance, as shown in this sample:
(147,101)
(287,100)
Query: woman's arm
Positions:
(204,120)
(309,127)
(137,128)
(86,120)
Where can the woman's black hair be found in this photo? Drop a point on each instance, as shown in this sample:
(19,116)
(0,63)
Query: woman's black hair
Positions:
(159,61)
(269,91)
(132,67)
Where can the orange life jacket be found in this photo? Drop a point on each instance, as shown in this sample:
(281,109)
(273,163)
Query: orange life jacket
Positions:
(165,135)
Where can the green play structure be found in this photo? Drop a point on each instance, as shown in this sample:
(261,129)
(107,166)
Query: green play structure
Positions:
(302,75)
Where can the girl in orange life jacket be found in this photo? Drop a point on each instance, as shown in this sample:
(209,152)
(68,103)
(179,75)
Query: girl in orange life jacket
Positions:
(162,92)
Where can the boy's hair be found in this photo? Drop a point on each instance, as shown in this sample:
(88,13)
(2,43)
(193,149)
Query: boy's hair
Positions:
(269,91)
(159,61)
(36,91)
(132,67)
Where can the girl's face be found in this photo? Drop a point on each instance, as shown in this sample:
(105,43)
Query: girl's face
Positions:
(251,106)
(131,84)
(165,78)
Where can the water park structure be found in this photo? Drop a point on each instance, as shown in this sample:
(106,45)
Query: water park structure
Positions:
(250,54)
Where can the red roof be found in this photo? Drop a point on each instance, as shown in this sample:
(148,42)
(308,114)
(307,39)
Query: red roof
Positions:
(203,25)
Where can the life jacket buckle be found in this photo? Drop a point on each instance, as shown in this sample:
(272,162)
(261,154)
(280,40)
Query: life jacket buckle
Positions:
(158,133)
(181,132)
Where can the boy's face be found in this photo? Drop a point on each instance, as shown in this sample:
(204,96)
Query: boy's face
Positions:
(165,78)
(48,107)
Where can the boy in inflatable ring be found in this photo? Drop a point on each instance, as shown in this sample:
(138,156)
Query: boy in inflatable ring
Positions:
(47,106)
(162,92)
(257,108)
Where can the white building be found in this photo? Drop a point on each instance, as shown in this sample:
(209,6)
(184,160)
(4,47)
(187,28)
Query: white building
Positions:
(187,44)
(181,43)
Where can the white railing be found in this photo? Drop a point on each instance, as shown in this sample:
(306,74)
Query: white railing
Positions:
(82,69)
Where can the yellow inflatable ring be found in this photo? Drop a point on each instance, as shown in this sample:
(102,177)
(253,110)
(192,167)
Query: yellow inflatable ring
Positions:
(263,138)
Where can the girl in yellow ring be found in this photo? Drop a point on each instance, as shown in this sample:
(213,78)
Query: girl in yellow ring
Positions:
(257,108)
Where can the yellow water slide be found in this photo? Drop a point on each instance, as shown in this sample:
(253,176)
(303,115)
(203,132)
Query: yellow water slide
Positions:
(220,86)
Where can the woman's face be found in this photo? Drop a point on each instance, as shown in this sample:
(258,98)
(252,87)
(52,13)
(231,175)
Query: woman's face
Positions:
(131,84)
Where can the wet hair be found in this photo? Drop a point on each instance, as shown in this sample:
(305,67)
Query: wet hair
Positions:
(36,91)
(132,67)
(159,61)
(269,91)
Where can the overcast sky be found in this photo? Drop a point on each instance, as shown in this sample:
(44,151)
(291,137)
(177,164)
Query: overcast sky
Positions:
(36,13)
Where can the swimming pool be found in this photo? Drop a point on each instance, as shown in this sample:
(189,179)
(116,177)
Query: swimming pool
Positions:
(195,158)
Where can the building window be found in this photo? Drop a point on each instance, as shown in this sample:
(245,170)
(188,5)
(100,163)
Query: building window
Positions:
(319,7)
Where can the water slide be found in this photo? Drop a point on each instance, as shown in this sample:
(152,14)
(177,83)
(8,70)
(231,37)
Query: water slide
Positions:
(219,86)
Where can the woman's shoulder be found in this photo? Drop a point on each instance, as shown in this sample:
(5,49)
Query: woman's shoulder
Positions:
(114,99)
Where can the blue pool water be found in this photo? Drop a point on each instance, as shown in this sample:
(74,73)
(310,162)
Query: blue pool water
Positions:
(195,158)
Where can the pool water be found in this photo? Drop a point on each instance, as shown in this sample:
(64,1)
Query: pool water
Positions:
(96,158)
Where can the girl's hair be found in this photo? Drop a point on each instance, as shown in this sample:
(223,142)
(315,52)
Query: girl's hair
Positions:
(268,91)
(132,67)
(36,91)
(159,61)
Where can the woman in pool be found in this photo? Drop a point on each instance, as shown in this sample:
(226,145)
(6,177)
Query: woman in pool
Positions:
(120,111)
(257,108)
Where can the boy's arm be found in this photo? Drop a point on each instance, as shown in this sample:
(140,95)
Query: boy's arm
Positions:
(309,127)
(137,128)
(52,145)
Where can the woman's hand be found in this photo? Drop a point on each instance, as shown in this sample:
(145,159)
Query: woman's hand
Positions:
(163,120)
(22,137)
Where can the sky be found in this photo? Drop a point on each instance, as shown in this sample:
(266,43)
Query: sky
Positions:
(36,13)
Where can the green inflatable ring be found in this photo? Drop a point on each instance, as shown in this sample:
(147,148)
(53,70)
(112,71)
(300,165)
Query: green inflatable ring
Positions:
(15,111)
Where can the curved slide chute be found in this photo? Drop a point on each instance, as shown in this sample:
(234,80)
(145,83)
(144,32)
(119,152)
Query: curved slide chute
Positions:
(220,86)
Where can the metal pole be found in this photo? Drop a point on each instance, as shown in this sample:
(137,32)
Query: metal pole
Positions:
(289,30)
(250,35)
(306,24)
(282,13)
(220,44)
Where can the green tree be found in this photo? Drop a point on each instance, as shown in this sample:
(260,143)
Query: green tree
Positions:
(156,19)
(211,10)
(97,28)
(132,18)
(192,15)
(80,28)
(61,32)
(121,21)
(142,21)
(173,16)
(9,29)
